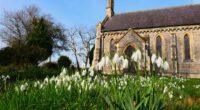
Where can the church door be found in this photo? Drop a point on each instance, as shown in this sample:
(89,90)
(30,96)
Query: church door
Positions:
(128,52)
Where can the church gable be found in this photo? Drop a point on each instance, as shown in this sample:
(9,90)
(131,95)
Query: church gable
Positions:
(130,38)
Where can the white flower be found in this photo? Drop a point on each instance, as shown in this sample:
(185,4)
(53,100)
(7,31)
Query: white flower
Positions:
(125,63)
(84,72)
(59,82)
(108,62)
(180,97)
(36,84)
(153,58)
(165,65)
(159,62)
(116,59)
(69,88)
(170,94)
(7,77)
(41,86)
(83,65)
(52,79)
(99,66)
(121,59)
(46,80)
(23,87)
(103,61)
(136,56)
(165,89)
(16,89)
(64,72)
(91,72)
(139,54)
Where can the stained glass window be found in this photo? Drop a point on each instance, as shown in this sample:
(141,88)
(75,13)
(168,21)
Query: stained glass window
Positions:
(112,47)
(159,46)
(187,47)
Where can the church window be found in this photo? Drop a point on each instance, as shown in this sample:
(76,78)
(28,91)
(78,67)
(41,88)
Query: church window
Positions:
(187,47)
(112,47)
(159,46)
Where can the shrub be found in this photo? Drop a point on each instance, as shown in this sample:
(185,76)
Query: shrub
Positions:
(22,55)
(6,56)
(28,73)
(50,65)
(64,61)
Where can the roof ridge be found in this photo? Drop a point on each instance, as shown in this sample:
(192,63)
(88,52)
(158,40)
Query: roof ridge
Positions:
(158,9)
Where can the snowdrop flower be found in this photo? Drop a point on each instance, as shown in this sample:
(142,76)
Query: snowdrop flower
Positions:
(170,94)
(165,89)
(99,66)
(52,79)
(59,82)
(64,72)
(4,78)
(83,65)
(121,59)
(116,58)
(108,62)
(103,61)
(137,56)
(7,77)
(84,72)
(159,62)
(16,89)
(165,65)
(36,84)
(46,80)
(23,87)
(41,86)
(153,58)
(134,57)
(83,83)
(69,88)
(180,97)
(91,72)
(125,63)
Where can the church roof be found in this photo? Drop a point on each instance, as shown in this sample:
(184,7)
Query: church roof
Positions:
(166,17)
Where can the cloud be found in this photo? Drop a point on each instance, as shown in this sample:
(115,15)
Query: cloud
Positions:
(196,1)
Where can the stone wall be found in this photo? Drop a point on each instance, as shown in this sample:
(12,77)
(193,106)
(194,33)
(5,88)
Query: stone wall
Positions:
(165,33)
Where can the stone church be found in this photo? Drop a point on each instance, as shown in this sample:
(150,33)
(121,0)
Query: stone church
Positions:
(172,33)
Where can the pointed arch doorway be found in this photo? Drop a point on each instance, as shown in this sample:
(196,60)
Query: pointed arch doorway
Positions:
(128,51)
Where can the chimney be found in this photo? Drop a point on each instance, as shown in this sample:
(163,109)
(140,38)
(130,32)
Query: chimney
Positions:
(110,8)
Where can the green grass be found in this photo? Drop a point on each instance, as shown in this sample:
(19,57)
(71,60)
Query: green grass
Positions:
(99,92)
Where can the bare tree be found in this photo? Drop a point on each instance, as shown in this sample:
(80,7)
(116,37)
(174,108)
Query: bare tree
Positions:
(17,25)
(74,44)
(87,38)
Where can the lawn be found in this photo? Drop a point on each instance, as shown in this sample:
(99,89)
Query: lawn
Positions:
(94,91)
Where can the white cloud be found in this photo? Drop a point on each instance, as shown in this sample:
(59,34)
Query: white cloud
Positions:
(196,1)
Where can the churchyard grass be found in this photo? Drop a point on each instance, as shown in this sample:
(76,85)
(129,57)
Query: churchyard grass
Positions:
(94,91)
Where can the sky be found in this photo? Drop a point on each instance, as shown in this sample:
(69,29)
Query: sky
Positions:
(86,13)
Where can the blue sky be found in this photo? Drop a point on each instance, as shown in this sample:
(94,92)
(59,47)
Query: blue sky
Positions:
(86,12)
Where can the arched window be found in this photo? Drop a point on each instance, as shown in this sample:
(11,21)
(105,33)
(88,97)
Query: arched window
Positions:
(112,47)
(187,47)
(159,46)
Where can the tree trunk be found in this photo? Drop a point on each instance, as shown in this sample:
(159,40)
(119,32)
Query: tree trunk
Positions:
(77,62)
(87,59)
